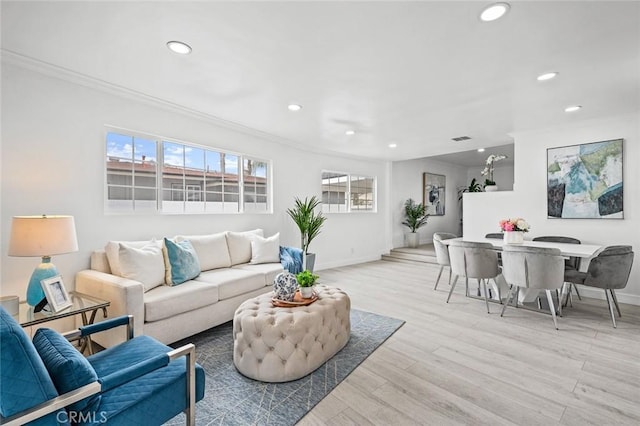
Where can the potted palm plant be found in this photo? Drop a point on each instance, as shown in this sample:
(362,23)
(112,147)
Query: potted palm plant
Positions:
(309,222)
(415,216)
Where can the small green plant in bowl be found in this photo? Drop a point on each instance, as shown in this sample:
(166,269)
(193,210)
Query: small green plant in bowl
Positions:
(306,280)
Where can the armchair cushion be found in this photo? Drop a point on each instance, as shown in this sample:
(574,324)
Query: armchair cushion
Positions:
(68,368)
(131,402)
(24,378)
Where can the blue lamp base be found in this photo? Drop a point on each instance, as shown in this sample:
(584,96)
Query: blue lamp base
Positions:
(45,270)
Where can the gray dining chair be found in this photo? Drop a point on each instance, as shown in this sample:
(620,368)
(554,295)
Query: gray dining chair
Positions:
(533,268)
(571,264)
(476,261)
(442,253)
(495,236)
(609,270)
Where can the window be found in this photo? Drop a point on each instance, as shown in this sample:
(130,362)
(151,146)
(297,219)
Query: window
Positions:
(131,173)
(187,179)
(344,193)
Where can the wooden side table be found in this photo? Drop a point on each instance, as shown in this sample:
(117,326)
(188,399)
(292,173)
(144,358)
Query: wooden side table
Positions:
(84,305)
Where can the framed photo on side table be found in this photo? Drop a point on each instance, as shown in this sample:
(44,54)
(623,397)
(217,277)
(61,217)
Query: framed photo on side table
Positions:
(56,293)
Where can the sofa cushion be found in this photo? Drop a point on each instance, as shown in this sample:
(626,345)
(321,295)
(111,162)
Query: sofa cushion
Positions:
(291,259)
(112,249)
(165,302)
(269,271)
(145,264)
(232,282)
(180,261)
(239,244)
(265,250)
(68,368)
(211,249)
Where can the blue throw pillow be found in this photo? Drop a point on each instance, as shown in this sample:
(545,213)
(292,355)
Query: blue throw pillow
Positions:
(68,368)
(181,262)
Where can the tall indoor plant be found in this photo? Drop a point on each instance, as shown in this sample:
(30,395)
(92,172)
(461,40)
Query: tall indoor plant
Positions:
(309,222)
(415,215)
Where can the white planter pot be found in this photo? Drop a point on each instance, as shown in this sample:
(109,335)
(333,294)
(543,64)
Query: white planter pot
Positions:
(413,239)
(491,188)
(513,237)
(306,292)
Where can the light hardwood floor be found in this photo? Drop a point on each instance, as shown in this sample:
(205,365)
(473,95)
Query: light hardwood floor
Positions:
(455,364)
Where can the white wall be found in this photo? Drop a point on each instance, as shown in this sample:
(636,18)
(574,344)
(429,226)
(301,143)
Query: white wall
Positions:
(53,144)
(529,198)
(407,183)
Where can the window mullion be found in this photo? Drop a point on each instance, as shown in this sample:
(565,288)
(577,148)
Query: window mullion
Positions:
(240,184)
(159,175)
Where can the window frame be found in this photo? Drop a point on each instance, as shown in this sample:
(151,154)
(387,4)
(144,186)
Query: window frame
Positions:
(348,192)
(159,179)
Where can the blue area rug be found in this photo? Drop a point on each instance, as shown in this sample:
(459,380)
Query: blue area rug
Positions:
(233,399)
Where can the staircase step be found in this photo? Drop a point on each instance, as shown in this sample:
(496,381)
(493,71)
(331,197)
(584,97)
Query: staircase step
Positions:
(388,258)
(396,255)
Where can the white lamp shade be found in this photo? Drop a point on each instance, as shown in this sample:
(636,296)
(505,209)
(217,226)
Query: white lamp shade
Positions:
(42,236)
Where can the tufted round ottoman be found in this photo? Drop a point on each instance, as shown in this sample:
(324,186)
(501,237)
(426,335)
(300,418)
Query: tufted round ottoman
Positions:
(281,344)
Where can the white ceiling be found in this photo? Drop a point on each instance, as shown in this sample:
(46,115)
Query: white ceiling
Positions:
(413,73)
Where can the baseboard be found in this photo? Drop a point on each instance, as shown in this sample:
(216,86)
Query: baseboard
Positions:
(346,262)
(598,293)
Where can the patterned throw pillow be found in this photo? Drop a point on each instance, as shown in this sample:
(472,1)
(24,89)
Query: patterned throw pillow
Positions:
(181,262)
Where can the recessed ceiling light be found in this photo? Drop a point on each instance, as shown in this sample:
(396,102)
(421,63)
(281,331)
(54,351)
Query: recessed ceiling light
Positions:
(494,11)
(350,132)
(393,145)
(480,149)
(547,76)
(572,108)
(179,47)
(294,107)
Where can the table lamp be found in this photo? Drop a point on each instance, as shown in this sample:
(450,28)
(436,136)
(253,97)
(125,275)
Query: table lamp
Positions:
(43,236)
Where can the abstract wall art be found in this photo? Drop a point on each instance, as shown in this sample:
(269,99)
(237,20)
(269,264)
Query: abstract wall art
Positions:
(585,181)
(433,190)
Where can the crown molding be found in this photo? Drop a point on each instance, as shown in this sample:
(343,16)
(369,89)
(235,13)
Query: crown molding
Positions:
(55,71)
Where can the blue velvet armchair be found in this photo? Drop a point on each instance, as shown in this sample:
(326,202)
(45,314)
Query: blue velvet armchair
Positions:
(48,382)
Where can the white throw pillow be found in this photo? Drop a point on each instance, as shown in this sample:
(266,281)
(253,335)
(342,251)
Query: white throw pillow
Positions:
(211,249)
(239,244)
(112,251)
(144,264)
(265,250)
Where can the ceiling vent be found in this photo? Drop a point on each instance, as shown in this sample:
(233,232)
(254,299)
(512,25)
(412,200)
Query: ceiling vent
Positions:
(461,138)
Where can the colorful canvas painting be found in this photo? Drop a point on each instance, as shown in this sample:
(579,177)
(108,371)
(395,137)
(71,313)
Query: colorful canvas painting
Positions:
(433,187)
(585,181)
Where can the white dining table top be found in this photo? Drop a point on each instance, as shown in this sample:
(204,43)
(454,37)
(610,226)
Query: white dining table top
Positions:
(577,250)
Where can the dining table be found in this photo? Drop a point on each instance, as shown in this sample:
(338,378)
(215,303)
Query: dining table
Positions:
(585,252)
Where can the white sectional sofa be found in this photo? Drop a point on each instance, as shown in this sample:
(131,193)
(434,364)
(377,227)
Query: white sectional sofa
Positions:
(233,267)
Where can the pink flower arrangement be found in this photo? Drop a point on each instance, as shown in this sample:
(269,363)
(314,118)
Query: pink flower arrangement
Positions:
(517,224)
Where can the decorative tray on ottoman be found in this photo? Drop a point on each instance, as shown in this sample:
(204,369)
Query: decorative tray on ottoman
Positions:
(297,301)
